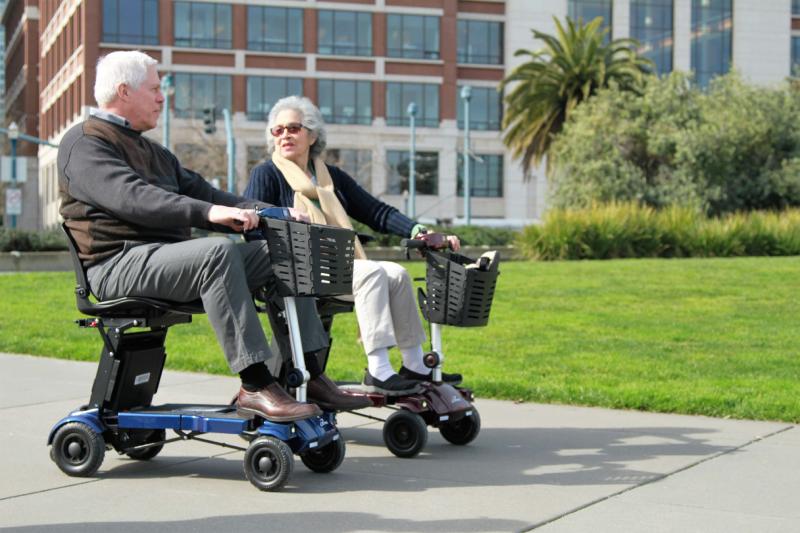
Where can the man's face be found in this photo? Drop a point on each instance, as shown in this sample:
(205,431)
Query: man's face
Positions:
(145,103)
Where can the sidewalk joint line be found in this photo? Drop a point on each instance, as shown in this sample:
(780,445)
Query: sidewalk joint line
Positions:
(655,479)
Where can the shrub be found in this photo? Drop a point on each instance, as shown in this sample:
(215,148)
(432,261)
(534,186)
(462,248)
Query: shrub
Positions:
(32,241)
(734,147)
(618,230)
(469,235)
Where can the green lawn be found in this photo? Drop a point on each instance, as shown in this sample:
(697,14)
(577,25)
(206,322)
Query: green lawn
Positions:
(704,336)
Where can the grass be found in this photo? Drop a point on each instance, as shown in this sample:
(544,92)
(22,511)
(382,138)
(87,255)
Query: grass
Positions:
(715,337)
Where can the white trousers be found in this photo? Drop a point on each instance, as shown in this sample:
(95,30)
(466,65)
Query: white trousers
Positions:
(386,306)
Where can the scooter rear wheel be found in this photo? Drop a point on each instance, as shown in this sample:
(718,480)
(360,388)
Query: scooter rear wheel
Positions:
(77,450)
(405,433)
(268,463)
(462,431)
(325,459)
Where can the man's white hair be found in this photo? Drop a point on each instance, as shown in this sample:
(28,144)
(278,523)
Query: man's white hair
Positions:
(310,117)
(116,68)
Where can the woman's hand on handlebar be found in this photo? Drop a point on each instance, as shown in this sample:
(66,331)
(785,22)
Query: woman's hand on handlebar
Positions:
(437,241)
(299,216)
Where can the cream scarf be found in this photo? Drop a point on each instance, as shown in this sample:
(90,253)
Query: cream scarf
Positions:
(332,212)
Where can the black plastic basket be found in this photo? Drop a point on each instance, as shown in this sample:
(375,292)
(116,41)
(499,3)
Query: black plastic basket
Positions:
(457,295)
(309,259)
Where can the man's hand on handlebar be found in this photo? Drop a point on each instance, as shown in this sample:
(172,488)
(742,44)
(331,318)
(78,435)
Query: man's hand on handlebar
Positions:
(235,218)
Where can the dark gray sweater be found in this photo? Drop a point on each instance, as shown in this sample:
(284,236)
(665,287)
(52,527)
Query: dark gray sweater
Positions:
(116,186)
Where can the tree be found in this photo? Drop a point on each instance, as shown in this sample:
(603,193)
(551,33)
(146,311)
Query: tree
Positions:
(571,67)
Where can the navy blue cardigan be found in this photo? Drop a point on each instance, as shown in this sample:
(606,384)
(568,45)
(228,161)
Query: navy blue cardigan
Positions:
(267,184)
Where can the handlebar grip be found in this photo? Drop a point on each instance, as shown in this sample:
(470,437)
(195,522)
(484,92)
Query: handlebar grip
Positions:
(413,244)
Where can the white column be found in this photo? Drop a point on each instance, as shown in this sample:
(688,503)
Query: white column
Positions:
(762,39)
(621,20)
(682,50)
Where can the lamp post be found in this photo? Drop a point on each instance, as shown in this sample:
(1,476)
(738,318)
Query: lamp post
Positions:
(13,135)
(466,93)
(412,160)
(167,88)
(231,150)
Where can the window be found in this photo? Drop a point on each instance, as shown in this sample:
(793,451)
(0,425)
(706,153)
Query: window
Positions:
(203,25)
(426,172)
(485,108)
(263,92)
(357,163)
(275,29)
(651,25)
(425,95)
(130,21)
(712,22)
(588,10)
(485,176)
(412,36)
(345,102)
(193,92)
(480,42)
(347,33)
(796,8)
(795,55)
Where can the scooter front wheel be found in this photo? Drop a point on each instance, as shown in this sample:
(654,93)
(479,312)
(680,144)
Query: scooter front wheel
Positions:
(462,431)
(77,450)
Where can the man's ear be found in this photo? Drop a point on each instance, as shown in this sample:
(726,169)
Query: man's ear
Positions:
(122,91)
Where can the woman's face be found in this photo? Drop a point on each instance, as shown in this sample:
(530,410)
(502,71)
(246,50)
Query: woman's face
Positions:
(292,143)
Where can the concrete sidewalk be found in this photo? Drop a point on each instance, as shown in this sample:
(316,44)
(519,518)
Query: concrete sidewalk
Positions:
(544,467)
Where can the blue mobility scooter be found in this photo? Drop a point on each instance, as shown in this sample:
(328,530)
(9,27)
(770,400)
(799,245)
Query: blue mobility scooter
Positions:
(308,260)
(460,293)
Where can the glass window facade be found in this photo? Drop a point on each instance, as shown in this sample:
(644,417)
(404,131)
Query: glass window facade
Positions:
(425,95)
(588,10)
(203,25)
(263,92)
(426,172)
(275,29)
(193,92)
(480,42)
(347,33)
(345,101)
(412,36)
(712,29)
(652,26)
(796,8)
(130,21)
(485,109)
(485,176)
(795,56)
(357,163)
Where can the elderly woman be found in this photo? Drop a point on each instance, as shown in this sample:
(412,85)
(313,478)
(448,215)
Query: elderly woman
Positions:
(296,176)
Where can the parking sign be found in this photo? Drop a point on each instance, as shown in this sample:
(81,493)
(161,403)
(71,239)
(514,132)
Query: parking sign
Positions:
(13,201)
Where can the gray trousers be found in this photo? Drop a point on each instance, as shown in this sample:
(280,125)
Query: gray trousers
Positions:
(221,273)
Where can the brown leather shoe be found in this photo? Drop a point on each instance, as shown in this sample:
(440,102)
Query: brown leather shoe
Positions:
(275,404)
(324,392)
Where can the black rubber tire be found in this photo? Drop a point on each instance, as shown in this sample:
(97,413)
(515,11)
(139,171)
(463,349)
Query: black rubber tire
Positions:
(325,459)
(462,431)
(405,433)
(156,435)
(77,450)
(268,463)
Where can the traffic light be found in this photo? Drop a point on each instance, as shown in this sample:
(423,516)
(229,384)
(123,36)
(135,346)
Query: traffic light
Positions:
(209,120)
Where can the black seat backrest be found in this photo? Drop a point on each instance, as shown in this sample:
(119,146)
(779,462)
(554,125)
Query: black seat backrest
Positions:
(132,307)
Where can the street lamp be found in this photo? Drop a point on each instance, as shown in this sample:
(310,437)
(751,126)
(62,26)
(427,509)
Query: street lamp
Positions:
(168,89)
(412,156)
(13,135)
(466,93)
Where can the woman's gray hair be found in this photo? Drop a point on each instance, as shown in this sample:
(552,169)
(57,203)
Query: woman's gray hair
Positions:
(128,67)
(310,117)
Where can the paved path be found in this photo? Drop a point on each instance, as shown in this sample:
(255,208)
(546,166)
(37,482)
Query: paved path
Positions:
(536,467)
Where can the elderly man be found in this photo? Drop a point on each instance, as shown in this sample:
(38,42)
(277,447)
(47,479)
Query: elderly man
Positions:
(130,206)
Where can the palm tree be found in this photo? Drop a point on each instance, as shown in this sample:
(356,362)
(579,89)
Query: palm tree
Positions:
(571,67)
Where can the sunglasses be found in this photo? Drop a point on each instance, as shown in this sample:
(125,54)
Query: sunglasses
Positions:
(293,129)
